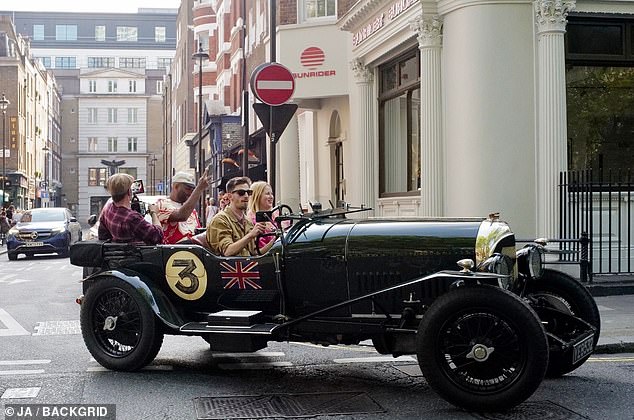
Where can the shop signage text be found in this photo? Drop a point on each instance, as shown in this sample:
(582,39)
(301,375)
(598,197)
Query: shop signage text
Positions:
(392,12)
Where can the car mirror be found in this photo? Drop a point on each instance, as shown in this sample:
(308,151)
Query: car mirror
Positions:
(74,220)
(92,219)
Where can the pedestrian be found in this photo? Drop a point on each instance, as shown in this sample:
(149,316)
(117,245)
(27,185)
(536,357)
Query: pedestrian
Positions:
(212,209)
(225,199)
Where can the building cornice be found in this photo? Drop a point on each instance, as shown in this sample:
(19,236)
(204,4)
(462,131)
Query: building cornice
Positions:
(448,6)
(359,13)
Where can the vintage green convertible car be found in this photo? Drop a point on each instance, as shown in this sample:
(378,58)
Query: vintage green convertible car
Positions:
(485,335)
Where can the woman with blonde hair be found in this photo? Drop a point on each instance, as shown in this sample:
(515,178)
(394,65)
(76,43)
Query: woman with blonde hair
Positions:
(262,200)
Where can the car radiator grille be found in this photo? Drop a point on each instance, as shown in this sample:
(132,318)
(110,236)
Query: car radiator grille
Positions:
(27,236)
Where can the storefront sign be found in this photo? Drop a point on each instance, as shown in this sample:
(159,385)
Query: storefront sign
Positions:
(13,128)
(312,58)
(384,18)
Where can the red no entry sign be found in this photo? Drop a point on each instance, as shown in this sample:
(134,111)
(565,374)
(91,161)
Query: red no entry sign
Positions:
(272,83)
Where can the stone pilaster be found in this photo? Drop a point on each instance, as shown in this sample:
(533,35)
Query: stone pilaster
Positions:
(364,147)
(550,18)
(288,164)
(429,31)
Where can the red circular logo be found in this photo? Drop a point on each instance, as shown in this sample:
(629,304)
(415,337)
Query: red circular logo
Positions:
(312,57)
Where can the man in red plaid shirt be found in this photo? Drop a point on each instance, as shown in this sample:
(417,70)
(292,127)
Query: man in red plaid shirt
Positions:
(119,223)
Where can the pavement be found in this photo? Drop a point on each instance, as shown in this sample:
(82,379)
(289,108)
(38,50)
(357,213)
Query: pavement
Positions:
(615,299)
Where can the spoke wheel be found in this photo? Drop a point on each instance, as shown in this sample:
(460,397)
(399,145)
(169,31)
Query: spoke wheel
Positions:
(562,292)
(118,327)
(482,349)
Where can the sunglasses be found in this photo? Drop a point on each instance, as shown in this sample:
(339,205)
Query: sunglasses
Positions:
(241,193)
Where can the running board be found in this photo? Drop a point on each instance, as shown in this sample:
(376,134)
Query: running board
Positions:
(209,328)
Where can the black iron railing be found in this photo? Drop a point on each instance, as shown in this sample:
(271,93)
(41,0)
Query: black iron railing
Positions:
(599,203)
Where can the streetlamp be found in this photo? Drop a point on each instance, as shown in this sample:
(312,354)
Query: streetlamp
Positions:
(45,149)
(200,56)
(4,104)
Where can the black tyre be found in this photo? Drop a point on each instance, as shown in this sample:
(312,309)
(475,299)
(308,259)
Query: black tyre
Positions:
(564,293)
(482,348)
(66,251)
(119,328)
(12,256)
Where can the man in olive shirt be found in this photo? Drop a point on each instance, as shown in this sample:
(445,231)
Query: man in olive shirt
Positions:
(231,233)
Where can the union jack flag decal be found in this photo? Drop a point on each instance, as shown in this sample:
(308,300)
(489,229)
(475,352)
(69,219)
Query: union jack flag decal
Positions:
(240,277)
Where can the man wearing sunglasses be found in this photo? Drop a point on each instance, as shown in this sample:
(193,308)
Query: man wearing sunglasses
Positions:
(231,233)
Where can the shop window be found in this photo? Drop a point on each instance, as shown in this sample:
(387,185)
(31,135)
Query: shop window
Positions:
(600,93)
(399,123)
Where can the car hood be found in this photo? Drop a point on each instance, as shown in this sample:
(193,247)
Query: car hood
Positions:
(39,225)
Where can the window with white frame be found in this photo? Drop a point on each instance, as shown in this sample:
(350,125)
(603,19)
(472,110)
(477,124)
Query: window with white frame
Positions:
(315,9)
(159,34)
(132,86)
(112,115)
(92,86)
(159,86)
(127,33)
(112,144)
(132,115)
(101,62)
(46,61)
(97,176)
(163,62)
(92,115)
(132,62)
(92,144)
(132,144)
(66,32)
(112,86)
(100,33)
(38,32)
(65,62)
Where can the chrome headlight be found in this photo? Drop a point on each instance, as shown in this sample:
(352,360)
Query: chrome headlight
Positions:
(58,230)
(498,264)
(13,231)
(530,261)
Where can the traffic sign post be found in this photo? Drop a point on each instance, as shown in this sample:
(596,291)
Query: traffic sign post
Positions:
(274,85)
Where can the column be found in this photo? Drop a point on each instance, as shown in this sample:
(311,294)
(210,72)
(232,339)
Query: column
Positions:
(429,30)
(551,154)
(365,143)
(288,163)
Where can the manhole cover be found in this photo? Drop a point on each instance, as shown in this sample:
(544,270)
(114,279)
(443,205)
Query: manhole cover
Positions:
(538,410)
(285,405)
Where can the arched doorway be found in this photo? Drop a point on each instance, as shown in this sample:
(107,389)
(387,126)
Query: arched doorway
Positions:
(336,159)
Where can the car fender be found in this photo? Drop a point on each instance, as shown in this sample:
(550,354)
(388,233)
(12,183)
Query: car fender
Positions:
(155,298)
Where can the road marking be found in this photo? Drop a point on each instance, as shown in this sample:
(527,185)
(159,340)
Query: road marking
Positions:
(151,367)
(378,359)
(611,359)
(57,328)
(21,372)
(21,392)
(24,362)
(13,327)
(247,355)
(604,308)
(254,366)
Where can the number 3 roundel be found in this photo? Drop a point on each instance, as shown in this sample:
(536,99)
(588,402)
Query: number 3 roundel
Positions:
(186,275)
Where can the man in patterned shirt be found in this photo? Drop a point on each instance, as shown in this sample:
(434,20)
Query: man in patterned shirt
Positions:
(119,223)
(178,214)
